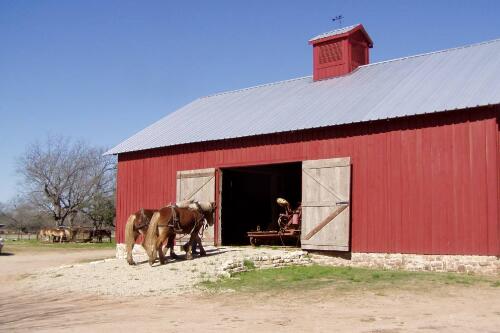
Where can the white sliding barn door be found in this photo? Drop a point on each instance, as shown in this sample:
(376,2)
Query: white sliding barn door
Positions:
(198,185)
(326,189)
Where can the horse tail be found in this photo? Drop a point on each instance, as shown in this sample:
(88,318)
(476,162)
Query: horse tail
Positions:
(129,236)
(129,230)
(152,237)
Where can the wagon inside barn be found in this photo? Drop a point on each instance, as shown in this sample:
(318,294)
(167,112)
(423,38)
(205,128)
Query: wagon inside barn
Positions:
(249,198)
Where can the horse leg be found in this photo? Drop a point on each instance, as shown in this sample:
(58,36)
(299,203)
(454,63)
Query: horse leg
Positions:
(130,247)
(162,236)
(202,250)
(165,248)
(185,246)
(170,245)
(152,255)
(192,239)
(194,245)
(161,255)
(167,245)
(189,253)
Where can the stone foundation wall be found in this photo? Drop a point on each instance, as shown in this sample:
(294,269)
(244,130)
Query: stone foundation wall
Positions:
(120,251)
(267,261)
(488,265)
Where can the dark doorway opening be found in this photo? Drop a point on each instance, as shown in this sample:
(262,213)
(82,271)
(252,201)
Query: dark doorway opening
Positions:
(249,198)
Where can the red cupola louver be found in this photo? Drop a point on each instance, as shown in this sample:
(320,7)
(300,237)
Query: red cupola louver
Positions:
(339,52)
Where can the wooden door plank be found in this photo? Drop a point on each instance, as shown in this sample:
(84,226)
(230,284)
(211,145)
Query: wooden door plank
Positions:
(327,163)
(326,187)
(197,189)
(325,204)
(327,220)
(182,175)
(198,185)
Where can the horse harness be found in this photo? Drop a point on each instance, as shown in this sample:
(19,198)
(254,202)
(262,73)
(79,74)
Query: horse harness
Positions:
(174,222)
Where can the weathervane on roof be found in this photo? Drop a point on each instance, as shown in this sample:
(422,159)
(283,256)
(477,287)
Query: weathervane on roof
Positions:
(338,18)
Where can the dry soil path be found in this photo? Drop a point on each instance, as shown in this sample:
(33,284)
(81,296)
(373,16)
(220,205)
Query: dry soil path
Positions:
(24,309)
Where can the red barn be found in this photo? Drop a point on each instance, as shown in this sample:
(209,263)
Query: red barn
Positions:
(403,153)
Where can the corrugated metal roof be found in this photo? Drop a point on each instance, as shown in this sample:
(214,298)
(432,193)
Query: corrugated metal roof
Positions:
(457,78)
(335,32)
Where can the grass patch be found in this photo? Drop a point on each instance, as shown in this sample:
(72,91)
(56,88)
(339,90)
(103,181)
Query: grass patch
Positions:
(20,245)
(342,278)
(249,264)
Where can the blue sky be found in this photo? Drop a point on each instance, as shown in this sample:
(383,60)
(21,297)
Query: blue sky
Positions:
(103,70)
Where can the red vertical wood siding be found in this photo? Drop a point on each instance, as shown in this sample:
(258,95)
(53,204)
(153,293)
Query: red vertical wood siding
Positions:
(423,184)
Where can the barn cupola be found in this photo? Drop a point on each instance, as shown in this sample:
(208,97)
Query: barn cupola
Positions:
(339,52)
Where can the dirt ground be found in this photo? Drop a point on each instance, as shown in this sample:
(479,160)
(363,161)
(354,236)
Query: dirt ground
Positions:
(447,309)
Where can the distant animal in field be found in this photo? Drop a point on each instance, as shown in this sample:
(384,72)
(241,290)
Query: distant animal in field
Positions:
(56,234)
(100,233)
(43,234)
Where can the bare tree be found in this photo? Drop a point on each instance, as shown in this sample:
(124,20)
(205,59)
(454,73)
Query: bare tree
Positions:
(6,216)
(21,216)
(62,176)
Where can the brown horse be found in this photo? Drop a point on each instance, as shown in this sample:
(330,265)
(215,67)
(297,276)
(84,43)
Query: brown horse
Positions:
(57,234)
(54,234)
(99,234)
(43,234)
(137,224)
(172,220)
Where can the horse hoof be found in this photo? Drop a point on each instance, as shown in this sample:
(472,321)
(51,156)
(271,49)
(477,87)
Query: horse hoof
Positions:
(202,254)
(174,256)
(131,263)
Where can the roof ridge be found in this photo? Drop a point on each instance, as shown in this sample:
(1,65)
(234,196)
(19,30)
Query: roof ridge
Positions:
(334,32)
(362,66)
(432,52)
(257,86)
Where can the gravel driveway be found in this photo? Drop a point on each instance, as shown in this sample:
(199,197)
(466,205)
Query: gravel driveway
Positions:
(115,277)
